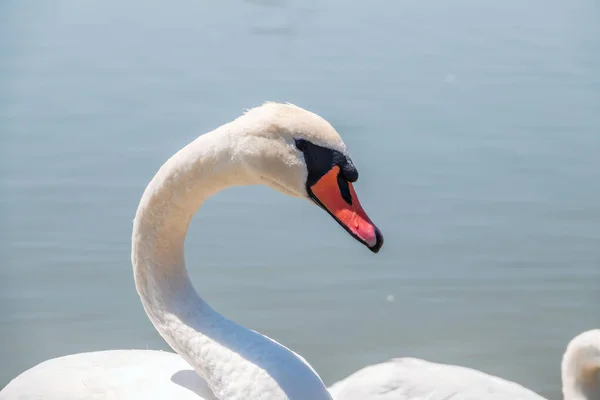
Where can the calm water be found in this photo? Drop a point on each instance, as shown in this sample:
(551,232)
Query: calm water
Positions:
(475,128)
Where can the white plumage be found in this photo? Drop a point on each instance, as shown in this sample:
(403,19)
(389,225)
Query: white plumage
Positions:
(114,374)
(416,379)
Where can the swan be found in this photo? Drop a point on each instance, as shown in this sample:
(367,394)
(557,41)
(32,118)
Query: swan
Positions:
(416,379)
(283,146)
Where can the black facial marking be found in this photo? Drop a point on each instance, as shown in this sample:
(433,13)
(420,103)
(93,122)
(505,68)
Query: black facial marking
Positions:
(344,189)
(320,160)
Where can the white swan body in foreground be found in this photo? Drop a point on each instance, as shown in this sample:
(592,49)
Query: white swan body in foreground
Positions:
(279,145)
(415,379)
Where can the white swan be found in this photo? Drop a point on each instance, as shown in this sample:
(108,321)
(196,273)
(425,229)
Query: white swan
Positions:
(280,145)
(415,379)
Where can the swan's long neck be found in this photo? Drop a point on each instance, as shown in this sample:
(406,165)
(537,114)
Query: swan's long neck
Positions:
(179,188)
(196,172)
(236,362)
(581,367)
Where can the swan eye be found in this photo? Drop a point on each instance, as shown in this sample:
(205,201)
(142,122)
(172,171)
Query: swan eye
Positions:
(301,144)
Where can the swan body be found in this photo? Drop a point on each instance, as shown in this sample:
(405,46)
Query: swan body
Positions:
(113,374)
(416,379)
(279,145)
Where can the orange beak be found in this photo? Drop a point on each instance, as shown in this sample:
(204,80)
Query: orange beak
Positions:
(338,198)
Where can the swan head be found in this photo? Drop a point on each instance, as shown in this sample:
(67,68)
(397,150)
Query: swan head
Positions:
(581,366)
(300,154)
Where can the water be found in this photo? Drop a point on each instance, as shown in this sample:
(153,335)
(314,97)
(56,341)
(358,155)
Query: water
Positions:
(474,127)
